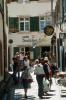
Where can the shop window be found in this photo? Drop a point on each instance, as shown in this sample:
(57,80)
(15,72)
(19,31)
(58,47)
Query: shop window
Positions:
(16,49)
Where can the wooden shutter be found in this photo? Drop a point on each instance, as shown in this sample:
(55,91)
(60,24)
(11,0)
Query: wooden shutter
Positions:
(34,24)
(13,24)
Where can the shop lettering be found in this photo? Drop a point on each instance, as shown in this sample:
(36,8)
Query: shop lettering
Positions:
(29,40)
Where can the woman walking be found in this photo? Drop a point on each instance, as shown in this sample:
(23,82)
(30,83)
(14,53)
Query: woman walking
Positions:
(26,80)
(39,72)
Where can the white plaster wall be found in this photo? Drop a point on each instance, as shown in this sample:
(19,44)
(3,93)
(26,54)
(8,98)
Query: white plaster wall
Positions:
(41,39)
(28,9)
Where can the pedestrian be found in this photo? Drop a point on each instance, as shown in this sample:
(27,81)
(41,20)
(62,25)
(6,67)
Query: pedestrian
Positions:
(17,56)
(21,60)
(26,80)
(47,70)
(26,62)
(39,72)
(15,65)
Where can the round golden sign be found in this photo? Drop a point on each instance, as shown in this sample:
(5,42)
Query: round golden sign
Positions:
(49,30)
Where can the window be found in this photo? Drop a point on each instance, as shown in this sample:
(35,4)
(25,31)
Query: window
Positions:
(42,24)
(15,49)
(24,24)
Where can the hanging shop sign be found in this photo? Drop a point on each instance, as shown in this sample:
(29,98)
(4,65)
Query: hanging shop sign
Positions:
(49,30)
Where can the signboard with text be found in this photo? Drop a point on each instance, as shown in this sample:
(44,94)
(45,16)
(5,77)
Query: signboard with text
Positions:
(49,30)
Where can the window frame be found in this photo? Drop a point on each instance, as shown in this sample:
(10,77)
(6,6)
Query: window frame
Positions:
(41,20)
(24,21)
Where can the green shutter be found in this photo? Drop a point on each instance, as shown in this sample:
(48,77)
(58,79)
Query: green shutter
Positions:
(34,24)
(13,24)
(16,49)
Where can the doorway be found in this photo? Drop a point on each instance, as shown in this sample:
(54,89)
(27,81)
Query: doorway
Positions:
(45,51)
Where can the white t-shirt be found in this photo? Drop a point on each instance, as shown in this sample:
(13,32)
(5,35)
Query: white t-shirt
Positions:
(26,63)
(21,56)
(38,69)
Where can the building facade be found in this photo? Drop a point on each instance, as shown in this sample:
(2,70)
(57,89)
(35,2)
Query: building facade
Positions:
(60,22)
(27,19)
(3,40)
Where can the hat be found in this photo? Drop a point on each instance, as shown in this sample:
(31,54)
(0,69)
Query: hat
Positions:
(46,58)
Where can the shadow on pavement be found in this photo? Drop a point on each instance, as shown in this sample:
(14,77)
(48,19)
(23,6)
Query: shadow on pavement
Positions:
(49,94)
(46,97)
(21,97)
(52,90)
(63,96)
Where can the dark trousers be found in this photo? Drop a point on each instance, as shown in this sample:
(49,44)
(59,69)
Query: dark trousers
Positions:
(16,79)
(40,85)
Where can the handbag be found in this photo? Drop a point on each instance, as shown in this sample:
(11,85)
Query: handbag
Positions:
(26,75)
(29,79)
(46,85)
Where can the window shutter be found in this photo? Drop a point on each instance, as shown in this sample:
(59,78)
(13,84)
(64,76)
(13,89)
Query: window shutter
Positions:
(34,23)
(13,24)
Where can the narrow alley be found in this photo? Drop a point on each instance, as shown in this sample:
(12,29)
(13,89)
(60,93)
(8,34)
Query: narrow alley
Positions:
(57,92)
